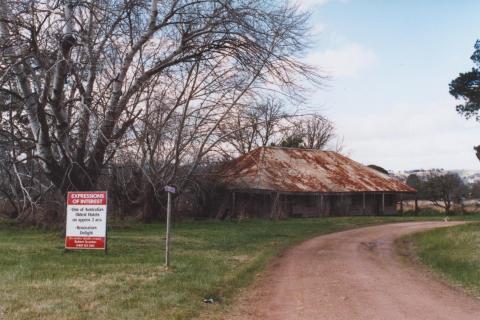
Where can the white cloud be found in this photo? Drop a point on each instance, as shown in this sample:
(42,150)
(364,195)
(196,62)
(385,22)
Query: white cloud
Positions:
(308,4)
(317,29)
(311,3)
(347,61)
(411,136)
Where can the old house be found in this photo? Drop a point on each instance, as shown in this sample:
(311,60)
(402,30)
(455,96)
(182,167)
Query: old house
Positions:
(280,182)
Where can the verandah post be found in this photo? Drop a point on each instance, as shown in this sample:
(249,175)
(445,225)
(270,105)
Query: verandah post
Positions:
(363,205)
(383,203)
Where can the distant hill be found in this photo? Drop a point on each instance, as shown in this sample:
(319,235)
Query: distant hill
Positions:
(468,176)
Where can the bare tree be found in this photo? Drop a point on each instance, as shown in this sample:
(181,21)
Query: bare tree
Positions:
(444,189)
(257,124)
(318,131)
(309,132)
(96,82)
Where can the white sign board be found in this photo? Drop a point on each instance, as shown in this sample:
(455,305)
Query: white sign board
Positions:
(86,220)
(170,189)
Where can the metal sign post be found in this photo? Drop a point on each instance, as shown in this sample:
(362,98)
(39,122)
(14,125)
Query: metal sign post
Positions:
(169,191)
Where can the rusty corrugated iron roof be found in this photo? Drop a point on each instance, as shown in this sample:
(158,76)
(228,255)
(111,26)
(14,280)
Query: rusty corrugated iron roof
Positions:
(305,170)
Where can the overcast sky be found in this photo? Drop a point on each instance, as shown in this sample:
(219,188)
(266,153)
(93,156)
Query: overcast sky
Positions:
(390,63)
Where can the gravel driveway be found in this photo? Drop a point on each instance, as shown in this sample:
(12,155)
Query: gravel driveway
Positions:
(354,275)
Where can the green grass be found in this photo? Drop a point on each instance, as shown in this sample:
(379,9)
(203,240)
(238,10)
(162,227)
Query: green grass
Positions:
(453,252)
(38,280)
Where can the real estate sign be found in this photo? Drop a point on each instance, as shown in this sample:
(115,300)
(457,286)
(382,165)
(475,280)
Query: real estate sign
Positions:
(86,220)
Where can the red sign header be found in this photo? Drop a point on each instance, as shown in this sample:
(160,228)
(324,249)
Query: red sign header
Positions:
(87,198)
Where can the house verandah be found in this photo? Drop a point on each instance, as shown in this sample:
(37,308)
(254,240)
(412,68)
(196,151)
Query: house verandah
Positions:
(273,204)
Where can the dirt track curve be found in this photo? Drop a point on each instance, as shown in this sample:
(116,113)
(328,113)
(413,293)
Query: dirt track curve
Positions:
(354,275)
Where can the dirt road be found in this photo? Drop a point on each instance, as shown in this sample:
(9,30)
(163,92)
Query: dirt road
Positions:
(354,275)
